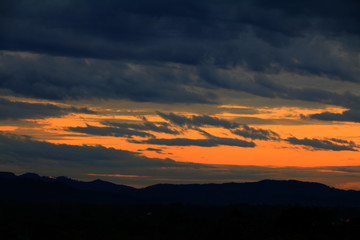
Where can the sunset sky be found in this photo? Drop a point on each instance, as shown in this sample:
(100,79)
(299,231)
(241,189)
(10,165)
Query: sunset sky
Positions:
(181,91)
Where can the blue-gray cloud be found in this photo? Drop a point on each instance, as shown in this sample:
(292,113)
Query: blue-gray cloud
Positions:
(56,78)
(197,121)
(261,85)
(25,150)
(253,133)
(205,120)
(325,144)
(109,131)
(119,129)
(338,140)
(174,51)
(209,142)
(158,150)
(23,110)
(178,31)
(351,115)
(146,126)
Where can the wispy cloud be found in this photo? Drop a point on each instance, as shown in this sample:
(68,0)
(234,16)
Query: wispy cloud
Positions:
(197,121)
(253,133)
(352,115)
(146,126)
(323,144)
(109,131)
(211,142)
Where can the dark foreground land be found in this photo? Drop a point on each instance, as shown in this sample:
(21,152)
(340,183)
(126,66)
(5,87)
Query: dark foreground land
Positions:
(175,221)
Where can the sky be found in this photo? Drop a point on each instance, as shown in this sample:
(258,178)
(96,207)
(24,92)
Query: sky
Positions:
(204,91)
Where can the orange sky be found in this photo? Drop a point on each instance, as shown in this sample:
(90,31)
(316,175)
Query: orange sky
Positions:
(266,153)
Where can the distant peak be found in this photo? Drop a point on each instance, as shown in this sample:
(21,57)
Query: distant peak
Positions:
(98,181)
(30,176)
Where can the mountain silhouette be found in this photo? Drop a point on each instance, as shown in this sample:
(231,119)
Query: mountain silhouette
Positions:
(31,187)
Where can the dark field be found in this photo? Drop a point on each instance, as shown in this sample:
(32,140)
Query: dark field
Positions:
(74,221)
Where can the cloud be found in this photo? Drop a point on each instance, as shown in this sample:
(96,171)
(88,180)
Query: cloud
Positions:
(269,88)
(63,78)
(253,133)
(197,121)
(158,150)
(235,110)
(265,86)
(352,115)
(109,131)
(59,78)
(146,126)
(177,52)
(24,110)
(205,120)
(181,31)
(118,129)
(210,142)
(318,144)
(123,49)
(351,143)
(17,149)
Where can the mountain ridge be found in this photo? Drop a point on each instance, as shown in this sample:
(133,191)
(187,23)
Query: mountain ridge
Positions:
(30,187)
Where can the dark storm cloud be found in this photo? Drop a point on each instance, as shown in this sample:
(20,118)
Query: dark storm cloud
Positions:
(23,110)
(109,131)
(263,86)
(272,89)
(253,133)
(60,78)
(318,144)
(256,34)
(162,51)
(146,126)
(197,121)
(63,78)
(352,115)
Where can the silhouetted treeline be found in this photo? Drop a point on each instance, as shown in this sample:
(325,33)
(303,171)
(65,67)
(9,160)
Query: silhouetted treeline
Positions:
(20,221)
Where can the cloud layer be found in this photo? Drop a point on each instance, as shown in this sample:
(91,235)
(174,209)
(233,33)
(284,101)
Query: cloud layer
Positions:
(352,115)
(178,31)
(22,110)
(331,144)
(128,49)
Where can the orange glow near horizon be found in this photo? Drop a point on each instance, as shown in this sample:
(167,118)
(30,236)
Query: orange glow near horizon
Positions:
(262,155)
(266,153)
